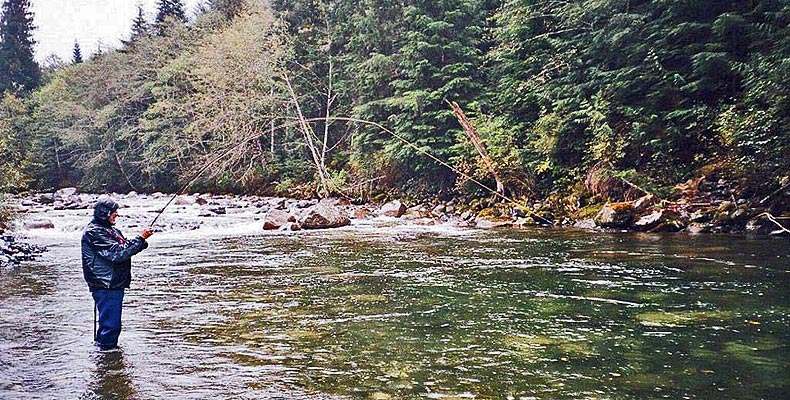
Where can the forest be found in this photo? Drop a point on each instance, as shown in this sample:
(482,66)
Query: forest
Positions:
(587,100)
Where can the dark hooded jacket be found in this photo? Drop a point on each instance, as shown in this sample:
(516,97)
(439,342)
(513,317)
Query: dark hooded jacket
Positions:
(106,254)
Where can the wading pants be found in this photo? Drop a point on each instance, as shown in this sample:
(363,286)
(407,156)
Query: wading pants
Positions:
(108,303)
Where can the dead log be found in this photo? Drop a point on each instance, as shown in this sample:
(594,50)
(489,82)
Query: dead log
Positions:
(471,132)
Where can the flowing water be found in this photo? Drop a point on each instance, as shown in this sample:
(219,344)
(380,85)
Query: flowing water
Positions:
(384,310)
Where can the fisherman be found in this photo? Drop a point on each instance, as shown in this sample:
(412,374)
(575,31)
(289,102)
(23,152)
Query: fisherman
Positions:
(107,266)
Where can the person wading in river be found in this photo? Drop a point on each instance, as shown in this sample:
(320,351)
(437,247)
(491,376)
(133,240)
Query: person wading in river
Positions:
(107,267)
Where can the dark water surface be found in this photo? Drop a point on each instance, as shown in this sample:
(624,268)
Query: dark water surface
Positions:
(411,312)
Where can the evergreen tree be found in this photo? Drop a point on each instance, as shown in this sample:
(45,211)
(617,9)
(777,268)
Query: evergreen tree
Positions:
(169,10)
(438,60)
(77,53)
(139,26)
(228,8)
(18,69)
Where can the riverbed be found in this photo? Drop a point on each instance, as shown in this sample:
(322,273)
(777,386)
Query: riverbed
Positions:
(386,309)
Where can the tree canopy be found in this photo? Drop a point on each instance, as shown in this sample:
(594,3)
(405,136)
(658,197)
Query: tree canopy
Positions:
(653,91)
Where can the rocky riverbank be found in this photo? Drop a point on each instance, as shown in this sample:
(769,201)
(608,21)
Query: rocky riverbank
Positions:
(698,207)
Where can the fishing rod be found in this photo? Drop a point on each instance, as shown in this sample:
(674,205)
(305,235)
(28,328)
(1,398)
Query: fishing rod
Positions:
(227,151)
(299,121)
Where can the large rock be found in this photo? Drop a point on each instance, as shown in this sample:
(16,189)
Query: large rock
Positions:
(39,224)
(660,221)
(393,209)
(65,193)
(46,198)
(324,215)
(275,219)
(615,215)
(183,201)
(644,202)
(362,213)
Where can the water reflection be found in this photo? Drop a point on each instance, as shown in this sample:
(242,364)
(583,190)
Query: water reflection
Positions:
(110,378)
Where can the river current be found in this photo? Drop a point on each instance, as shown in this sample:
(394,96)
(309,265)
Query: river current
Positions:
(384,309)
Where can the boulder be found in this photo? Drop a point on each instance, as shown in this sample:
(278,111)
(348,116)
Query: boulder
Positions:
(701,215)
(660,221)
(393,209)
(361,213)
(39,224)
(217,210)
(644,202)
(741,215)
(291,226)
(615,215)
(324,215)
(585,223)
(275,219)
(277,203)
(725,206)
(201,201)
(310,203)
(65,193)
(183,201)
(46,198)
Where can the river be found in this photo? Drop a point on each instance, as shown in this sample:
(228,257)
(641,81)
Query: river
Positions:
(388,310)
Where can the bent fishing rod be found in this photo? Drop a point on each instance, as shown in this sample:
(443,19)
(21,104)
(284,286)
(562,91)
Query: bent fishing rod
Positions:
(299,121)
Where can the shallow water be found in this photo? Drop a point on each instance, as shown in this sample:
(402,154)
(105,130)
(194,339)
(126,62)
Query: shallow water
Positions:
(379,310)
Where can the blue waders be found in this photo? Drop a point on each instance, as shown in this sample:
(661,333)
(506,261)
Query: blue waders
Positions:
(109,304)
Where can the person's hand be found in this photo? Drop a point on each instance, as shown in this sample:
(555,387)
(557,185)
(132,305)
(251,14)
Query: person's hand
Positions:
(147,232)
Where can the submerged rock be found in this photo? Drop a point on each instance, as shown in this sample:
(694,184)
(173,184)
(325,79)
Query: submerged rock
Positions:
(39,224)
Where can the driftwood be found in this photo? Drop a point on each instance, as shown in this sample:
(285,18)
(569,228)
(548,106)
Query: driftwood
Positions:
(471,132)
(773,219)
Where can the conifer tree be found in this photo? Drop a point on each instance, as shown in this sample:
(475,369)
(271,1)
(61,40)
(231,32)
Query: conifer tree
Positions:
(139,25)
(77,53)
(18,69)
(228,8)
(169,9)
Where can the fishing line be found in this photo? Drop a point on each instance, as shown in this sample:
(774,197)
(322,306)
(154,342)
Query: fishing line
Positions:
(357,120)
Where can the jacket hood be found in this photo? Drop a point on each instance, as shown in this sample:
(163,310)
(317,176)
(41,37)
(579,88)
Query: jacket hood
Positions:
(103,208)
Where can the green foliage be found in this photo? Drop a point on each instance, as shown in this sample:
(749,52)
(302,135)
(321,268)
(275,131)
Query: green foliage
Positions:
(652,90)
(169,13)
(641,84)
(15,166)
(76,57)
(18,70)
